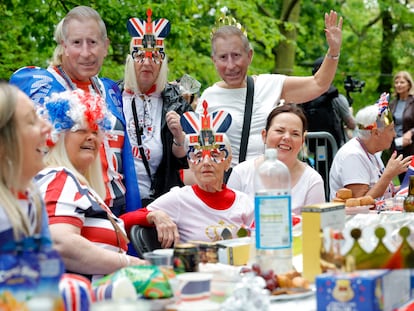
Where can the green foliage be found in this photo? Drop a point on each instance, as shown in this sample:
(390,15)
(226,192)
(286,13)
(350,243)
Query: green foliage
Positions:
(26,36)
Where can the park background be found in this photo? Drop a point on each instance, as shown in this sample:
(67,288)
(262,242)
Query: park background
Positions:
(287,36)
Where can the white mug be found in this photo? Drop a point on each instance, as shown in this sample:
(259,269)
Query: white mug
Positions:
(193,286)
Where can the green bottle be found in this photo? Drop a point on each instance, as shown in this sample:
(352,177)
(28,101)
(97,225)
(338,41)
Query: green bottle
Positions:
(409,200)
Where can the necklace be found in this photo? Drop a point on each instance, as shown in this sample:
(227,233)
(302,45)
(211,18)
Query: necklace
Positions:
(94,81)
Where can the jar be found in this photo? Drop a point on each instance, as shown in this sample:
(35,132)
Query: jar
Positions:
(186,258)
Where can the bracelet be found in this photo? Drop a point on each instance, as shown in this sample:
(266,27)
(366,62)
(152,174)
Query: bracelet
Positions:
(336,57)
(177,144)
(126,262)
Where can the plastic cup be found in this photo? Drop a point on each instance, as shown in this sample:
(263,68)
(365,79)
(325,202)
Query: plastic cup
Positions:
(159,259)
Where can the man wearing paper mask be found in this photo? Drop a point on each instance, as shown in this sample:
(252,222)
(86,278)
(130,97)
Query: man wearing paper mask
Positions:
(358,165)
(208,210)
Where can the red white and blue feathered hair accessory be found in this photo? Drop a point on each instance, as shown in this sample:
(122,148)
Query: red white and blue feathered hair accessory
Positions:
(206,133)
(148,37)
(74,110)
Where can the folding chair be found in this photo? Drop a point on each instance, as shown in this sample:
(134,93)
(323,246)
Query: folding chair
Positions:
(324,148)
(144,239)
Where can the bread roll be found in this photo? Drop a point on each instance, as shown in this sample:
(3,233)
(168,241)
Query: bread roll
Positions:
(367,200)
(352,202)
(344,193)
(339,200)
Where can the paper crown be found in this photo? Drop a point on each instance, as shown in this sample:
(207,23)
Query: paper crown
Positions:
(72,110)
(369,247)
(384,117)
(148,36)
(206,131)
(227,21)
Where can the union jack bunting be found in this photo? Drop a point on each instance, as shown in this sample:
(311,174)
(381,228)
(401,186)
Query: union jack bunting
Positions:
(148,35)
(206,131)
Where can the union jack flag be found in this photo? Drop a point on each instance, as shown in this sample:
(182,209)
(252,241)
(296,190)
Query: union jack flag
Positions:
(406,181)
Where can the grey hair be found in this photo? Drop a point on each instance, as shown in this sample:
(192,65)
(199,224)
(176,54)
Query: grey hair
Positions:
(364,117)
(80,13)
(227,31)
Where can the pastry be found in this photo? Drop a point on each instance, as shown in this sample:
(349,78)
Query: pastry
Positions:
(367,200)
(352,202)
(344,193)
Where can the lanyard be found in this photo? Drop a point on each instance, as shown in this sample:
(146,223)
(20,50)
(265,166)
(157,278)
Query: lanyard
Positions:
(390,188)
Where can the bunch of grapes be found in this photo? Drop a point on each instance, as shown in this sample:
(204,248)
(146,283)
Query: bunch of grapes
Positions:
(268,275)
(274,282)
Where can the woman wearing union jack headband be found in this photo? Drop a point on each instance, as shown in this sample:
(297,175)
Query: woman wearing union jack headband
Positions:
(208,210)
(152,109)
(357,164)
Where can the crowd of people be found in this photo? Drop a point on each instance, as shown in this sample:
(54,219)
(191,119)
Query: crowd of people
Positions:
(105,156)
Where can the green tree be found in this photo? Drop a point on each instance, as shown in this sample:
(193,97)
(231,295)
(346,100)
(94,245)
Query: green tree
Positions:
(287,36)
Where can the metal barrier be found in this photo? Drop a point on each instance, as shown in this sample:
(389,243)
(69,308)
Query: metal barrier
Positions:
(323,147)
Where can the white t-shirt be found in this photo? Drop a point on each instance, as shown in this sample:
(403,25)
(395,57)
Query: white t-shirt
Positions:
(308,190)
(197,221)
(267,90)
(149,117)
(353,165)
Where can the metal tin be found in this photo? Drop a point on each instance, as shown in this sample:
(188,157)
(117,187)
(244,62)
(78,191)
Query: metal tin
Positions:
(186,258)
(208,252)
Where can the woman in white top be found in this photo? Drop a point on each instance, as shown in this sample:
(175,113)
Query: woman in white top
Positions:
(285,131)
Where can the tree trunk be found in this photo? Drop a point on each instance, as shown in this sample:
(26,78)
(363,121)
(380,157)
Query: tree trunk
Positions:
(285,51)
(386,62)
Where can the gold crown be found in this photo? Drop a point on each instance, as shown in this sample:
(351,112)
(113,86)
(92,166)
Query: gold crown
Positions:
(227,21)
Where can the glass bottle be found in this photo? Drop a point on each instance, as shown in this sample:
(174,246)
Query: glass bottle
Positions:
(409,200)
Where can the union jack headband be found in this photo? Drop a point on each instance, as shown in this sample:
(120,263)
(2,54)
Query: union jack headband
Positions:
(73,110)
(384,117)
(206,132)
(148,36)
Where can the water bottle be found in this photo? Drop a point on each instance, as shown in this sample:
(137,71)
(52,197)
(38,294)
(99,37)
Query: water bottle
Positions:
(273,217)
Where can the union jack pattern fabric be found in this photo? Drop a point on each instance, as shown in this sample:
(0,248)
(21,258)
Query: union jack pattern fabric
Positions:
(77,292)
(206,129)
(148,34)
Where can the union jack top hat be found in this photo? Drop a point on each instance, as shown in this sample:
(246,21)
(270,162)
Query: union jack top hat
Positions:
(148,36)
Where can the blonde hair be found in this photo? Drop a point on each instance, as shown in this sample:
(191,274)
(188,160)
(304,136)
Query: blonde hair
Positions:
(11,156)
(407,77)
(93,178)
(79,13)
(130,78)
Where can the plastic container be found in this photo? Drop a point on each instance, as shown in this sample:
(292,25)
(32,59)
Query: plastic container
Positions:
(273,216)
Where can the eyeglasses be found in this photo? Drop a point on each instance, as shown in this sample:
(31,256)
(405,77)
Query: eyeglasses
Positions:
(155,56)
(215,155)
